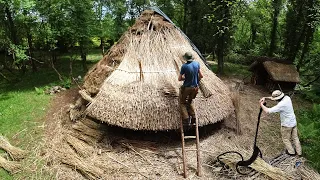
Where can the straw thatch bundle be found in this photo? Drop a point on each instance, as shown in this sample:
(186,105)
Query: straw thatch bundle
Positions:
(80,126)
(90,123)
(10,166)
(135,95)
(14,152)
(308,173)
(82,148)
(88,139)
(67,156)
(259,165)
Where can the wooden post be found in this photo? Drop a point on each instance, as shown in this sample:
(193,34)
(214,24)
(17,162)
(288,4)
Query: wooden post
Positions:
(183,150)
(198,148)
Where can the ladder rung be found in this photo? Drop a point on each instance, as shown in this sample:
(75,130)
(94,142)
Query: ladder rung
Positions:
(189,137)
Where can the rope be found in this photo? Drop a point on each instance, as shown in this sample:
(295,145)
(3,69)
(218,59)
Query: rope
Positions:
(254,156)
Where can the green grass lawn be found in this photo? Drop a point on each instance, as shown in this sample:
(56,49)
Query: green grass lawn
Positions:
(22,108)
(309,134)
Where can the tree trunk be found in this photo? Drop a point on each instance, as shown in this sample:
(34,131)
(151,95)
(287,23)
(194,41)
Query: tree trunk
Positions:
(29,37)
(83,56)
(102,45)
(12,28)
(185,7)
(304,50)
(293,39)
(253,34)
(276,5)
(220,50)
(309,29)
(296,46)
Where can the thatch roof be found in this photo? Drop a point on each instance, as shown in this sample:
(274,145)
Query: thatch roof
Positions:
(282,72)
(136,84)
(278,69)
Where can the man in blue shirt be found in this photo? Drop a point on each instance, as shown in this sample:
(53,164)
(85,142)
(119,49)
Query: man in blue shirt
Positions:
(190,74)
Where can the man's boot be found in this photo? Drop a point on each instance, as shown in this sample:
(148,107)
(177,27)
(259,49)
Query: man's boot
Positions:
(186,123)
(193,120)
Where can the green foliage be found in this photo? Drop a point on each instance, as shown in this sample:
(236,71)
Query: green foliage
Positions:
(19,52)
(309,134)
(39,90)
(311,95)
(234,70)
(66,83)
(237,58)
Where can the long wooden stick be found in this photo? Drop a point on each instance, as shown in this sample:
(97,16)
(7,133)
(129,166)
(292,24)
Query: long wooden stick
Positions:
(183,150)
(199,173)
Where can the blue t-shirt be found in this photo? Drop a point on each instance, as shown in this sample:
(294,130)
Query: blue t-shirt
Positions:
(191,73)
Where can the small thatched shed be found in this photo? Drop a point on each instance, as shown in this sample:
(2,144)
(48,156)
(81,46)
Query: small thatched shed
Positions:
(274,73)
(136,84)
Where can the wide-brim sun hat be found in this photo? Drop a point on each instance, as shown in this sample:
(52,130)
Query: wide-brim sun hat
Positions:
(276,95)
(188,56)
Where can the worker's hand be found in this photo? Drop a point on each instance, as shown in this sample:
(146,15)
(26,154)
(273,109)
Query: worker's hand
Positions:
(262,100)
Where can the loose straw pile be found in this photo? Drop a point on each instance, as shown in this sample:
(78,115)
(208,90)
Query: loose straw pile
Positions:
(14,152)
(82,148)
(90,123)
(80,126)
(67,156)
(308,173)
(11,166)
(259,165)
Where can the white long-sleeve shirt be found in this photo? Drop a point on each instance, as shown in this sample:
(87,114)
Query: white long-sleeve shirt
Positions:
(287,116)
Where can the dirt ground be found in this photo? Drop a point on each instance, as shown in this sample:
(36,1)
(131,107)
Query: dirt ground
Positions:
(116,153)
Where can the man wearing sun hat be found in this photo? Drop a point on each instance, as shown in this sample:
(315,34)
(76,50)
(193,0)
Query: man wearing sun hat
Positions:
(190,74)
(289,129)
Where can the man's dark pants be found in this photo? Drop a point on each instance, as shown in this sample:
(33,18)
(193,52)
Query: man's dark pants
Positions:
(186,95)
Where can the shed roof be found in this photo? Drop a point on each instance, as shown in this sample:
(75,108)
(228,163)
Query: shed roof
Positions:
(282,72)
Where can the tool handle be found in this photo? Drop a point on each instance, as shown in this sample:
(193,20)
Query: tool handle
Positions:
(257,128)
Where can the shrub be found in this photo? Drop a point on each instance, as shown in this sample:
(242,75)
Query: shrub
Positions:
(309,133)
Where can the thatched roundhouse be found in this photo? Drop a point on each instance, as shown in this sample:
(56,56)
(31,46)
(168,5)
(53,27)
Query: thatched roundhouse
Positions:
(274,73)
(136,84)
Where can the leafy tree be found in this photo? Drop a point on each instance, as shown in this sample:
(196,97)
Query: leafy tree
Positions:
(221,18)
(276,4)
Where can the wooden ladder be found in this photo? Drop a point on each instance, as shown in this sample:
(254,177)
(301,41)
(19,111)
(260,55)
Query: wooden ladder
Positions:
(183,137)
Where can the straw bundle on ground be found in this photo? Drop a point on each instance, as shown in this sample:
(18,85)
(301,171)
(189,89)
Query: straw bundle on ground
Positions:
(67,156)
(82,148)
(10,166)
(235,97)
(14,152)
(87,130)
(259,165)
(308,173)
(88,139)
(134,94)
(90,123)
